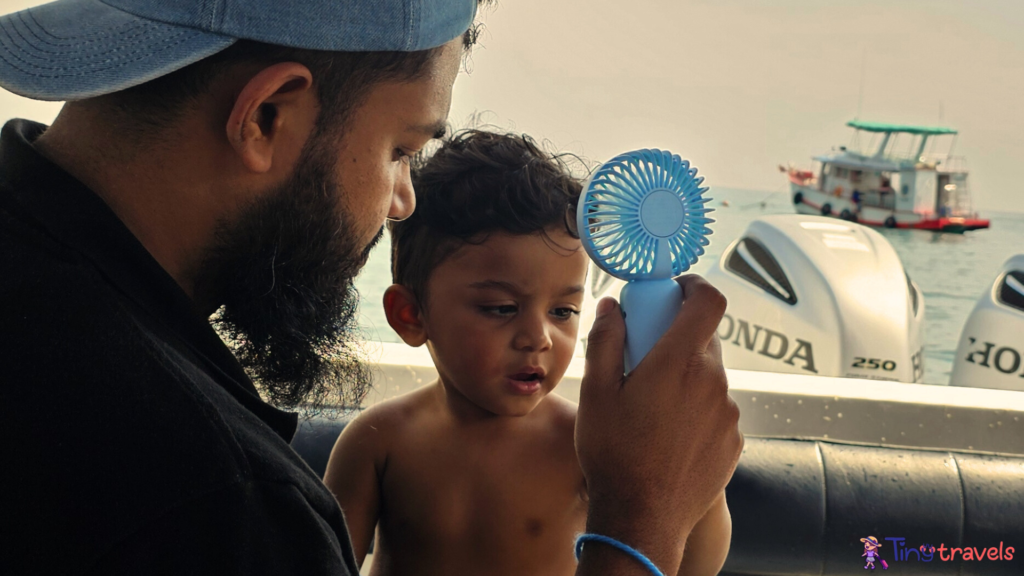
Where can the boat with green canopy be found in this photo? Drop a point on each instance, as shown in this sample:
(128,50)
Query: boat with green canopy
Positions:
(890,176)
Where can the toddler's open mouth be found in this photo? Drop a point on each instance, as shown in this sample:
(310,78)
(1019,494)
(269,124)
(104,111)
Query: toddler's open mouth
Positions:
(526,381)
(526,377)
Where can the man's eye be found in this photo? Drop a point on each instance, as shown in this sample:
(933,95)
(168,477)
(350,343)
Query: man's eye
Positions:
(402,155)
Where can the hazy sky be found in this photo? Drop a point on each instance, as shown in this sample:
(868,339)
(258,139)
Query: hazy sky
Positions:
(740,86)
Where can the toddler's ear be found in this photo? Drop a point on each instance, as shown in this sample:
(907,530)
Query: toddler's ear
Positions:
(403,312)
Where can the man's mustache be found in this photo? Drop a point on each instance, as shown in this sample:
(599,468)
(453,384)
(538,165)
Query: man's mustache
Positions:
(365,255)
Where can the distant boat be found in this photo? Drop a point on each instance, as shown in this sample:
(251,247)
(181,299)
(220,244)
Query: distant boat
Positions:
(885,188)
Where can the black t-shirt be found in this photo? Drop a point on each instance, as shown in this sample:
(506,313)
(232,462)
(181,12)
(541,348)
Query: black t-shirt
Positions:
(133,442)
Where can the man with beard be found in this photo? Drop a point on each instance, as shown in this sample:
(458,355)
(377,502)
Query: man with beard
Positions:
(237,159)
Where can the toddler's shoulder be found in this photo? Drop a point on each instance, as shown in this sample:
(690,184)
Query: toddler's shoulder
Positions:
(373,433)
(393,416)
(563,411)
(558,418)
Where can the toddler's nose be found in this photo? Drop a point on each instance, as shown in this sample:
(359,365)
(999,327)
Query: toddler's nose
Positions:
(533,336)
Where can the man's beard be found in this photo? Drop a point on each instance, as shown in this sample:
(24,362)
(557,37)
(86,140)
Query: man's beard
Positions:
(283,272)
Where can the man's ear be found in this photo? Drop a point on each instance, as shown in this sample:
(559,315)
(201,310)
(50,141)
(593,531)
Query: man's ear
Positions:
(405,315)
(275,112)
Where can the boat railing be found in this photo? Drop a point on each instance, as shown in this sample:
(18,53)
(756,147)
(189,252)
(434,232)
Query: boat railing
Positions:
(946,163)
(798,406)
(880,199)
(961,206)
(940,162)
(899,158)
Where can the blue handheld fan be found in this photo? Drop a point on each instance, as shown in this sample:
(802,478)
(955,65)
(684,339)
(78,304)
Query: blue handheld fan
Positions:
(641,219)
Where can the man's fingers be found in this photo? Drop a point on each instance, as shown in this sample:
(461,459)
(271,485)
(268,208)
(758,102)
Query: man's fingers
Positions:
(694,330)
(715,348)
(604,368)
(703,307)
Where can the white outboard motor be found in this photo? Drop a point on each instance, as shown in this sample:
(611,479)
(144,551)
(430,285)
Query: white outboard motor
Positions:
(817,296)
(992,343)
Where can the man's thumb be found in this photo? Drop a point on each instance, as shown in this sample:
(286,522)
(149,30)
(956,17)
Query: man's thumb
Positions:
(605,347)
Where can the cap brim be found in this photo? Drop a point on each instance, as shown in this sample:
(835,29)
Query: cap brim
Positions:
(76,49)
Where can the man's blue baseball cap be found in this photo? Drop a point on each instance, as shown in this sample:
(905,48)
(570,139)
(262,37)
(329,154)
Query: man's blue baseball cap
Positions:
(75,49)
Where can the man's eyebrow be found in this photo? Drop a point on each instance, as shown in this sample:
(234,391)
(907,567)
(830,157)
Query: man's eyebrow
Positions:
(435,130)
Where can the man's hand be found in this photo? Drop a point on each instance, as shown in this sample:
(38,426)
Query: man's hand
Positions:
(659,445)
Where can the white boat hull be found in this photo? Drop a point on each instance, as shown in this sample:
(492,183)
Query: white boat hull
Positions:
(811,201)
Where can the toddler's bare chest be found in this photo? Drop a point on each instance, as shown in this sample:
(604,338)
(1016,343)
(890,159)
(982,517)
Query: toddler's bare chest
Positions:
(491,496)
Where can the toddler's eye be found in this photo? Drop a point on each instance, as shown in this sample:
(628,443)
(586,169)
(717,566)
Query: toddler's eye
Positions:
(504,310)
(564,313)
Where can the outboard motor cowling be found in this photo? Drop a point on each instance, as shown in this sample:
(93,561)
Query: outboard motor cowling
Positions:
(991,349)
(810,295)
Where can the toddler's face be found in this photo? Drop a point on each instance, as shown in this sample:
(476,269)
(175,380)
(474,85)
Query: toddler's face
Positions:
(502,318)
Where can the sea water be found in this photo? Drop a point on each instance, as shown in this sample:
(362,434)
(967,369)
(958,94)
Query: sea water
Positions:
(952,270)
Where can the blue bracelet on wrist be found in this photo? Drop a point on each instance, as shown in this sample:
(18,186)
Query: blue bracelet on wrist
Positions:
(629,550)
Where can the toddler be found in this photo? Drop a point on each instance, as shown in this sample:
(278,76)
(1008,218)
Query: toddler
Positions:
(477,472)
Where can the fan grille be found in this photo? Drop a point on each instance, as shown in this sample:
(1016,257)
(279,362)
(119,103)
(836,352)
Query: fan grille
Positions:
(622,237)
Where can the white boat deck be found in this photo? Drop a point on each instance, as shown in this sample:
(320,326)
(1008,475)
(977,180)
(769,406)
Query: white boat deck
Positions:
(794,406)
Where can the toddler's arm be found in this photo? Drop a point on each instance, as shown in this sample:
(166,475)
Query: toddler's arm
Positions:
(708,544)
(352,476)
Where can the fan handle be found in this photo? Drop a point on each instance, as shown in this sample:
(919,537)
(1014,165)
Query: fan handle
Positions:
(650,307)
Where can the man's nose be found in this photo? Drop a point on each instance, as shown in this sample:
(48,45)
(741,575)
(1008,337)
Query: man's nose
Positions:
(403,198)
